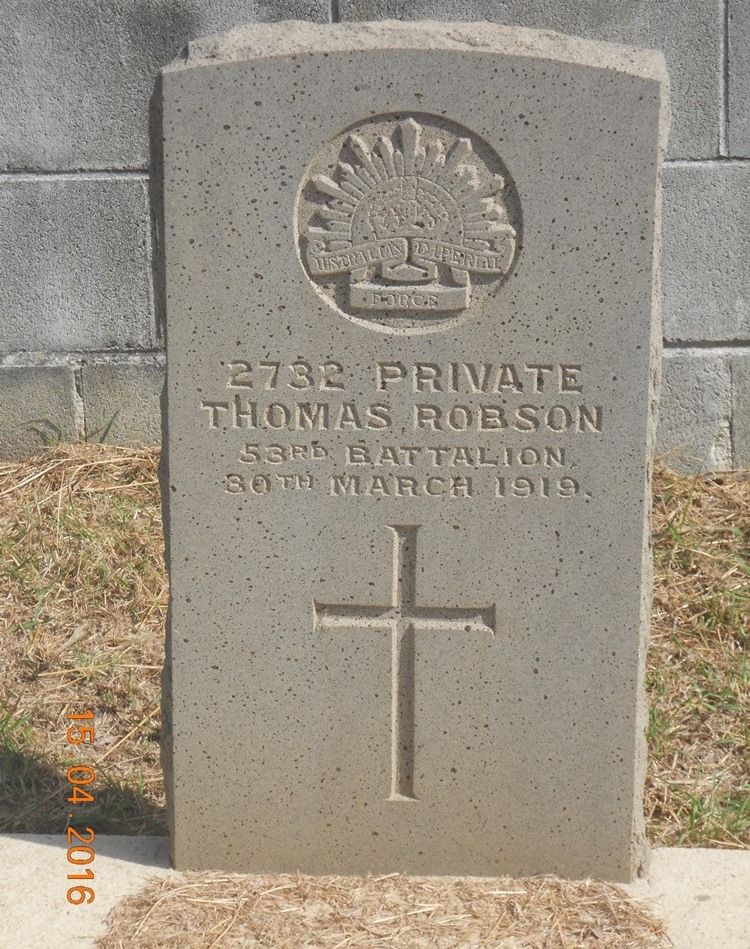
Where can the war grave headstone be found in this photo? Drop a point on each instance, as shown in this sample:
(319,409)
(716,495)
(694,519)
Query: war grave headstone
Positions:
(411,274)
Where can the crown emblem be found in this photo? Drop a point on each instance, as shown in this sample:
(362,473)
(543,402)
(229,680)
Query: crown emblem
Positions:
(409,216)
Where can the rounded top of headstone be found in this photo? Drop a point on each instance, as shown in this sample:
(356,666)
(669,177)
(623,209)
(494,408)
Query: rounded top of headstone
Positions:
(290,37)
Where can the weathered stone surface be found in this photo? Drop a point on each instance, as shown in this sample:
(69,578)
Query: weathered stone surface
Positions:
(740,365)
(122,403)
(688,33)
(739,79)
(706,253)
(696,410)
(37,406)
(77,77)
(74,264)
(408,477)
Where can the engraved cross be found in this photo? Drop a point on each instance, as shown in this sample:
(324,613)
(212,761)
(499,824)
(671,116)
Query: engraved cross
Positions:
(403,618)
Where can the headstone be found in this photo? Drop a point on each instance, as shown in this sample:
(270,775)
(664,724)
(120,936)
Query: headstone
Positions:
(411,274)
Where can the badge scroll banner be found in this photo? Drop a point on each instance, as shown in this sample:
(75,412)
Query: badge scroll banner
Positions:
(394,250)
(422,297)
(463,258)
(397,250)
(422,252)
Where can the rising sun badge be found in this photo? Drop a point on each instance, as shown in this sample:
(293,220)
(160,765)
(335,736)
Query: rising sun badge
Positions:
(402,217)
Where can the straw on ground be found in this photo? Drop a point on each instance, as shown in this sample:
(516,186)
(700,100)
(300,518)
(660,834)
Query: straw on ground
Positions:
(197,911)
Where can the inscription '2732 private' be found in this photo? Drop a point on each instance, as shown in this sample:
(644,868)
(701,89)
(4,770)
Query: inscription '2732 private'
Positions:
(420,376)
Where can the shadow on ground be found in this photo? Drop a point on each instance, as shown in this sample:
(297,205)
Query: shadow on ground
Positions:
(34,800)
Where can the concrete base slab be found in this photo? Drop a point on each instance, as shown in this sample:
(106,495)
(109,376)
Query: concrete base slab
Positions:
(34,908)
(703,896)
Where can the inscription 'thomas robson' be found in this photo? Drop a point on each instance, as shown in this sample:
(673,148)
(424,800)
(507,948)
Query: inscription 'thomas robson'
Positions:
(409,214)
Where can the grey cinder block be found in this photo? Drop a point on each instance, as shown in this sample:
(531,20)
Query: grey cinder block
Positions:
(77,76)
(740,366)
(121,403)
(696,410)
(37,406)
(689,34)
(74,264)
(706,234)
(739,78)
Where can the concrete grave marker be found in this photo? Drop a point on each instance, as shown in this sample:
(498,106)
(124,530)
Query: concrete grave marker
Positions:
(410,274)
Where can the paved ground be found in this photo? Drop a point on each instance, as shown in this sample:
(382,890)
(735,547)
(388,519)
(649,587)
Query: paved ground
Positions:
(703,895)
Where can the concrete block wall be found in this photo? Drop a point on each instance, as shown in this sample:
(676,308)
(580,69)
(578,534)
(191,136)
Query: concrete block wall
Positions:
(80,348)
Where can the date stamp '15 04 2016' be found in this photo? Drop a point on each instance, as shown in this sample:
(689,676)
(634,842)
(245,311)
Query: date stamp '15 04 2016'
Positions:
(80,853)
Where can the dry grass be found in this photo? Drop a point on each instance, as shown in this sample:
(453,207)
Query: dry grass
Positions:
(698,790)
(200,911)
(82,608)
